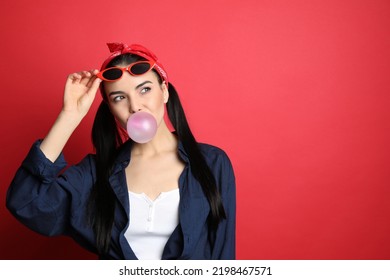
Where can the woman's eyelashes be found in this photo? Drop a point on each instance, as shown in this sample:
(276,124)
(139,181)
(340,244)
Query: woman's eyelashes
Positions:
(118,98)
(145,90)
(142,91)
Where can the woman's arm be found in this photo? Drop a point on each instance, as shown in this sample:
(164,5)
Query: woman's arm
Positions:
(80,91)
(48,203)
(37,196)
(226,234)
(225,239)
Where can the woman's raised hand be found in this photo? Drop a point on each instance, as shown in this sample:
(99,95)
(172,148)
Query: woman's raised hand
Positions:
(80,91)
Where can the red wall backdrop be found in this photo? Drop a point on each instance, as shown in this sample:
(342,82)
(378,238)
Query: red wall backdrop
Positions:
(296,92)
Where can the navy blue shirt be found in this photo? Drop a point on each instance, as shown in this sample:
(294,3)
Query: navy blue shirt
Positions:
(53,204)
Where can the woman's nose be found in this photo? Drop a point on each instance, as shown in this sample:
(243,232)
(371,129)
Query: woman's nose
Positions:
(135,105)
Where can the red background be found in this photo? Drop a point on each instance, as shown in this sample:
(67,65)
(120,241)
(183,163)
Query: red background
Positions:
(296,92)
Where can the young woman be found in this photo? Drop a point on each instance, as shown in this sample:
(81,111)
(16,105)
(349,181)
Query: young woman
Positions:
(168,198)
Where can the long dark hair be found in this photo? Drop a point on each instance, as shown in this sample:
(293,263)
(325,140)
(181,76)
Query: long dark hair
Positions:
(107,140)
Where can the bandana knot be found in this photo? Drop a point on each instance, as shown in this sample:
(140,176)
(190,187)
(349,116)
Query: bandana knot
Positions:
(117,47)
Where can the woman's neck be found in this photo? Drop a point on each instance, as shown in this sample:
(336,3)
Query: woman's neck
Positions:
(164,141)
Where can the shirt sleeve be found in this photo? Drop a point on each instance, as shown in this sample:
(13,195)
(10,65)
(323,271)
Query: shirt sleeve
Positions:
(225,239)
(45,201)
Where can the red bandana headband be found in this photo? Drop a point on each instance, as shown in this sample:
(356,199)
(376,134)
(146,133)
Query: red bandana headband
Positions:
(120,48)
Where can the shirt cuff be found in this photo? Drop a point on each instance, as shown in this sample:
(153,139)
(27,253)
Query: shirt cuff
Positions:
(37,163)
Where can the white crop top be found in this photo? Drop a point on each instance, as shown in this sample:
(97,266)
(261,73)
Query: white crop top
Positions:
(152,223)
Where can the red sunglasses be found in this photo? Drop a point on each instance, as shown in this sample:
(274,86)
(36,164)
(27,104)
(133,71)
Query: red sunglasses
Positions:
(135,69)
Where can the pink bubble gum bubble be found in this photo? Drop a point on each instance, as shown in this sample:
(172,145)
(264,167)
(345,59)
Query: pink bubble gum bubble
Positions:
(141,127)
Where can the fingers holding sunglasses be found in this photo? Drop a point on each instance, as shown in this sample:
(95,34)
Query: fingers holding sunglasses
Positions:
(93,83)
(80,91)
(82,77)
(94,79)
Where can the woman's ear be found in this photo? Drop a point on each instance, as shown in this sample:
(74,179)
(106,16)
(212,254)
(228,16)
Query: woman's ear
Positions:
(165,92)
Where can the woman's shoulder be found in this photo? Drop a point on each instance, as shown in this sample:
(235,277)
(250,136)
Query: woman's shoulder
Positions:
(211,149)
(82,172)
(213,153)
(88,162)
(219,163)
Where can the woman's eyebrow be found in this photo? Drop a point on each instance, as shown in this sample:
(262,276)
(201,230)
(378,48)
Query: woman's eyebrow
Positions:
(141,84)
(115,92)
(137,87)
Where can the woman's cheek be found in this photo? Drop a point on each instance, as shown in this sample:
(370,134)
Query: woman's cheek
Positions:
(120,117)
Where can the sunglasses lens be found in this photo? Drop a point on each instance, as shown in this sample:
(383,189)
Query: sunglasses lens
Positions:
(140,68)
(112,74)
